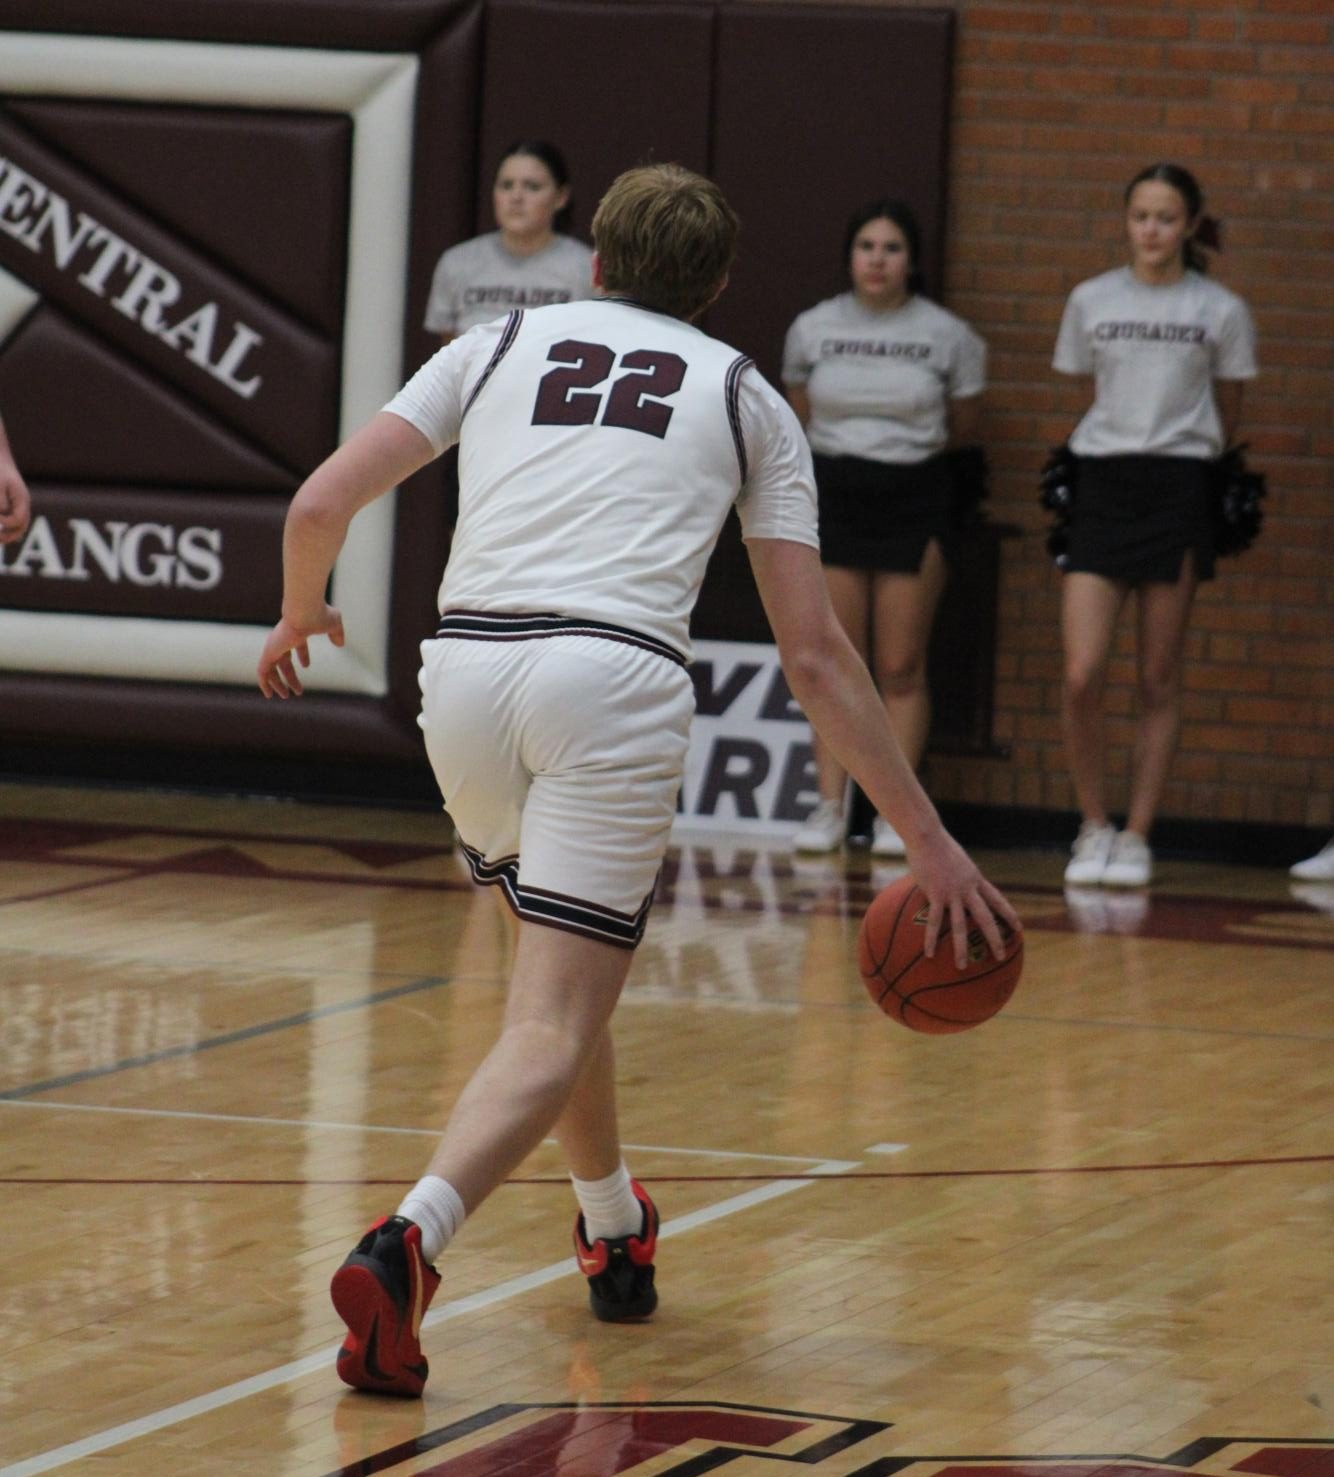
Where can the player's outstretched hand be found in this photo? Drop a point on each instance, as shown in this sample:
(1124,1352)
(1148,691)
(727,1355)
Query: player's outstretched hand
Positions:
(955,889)
(277,671)
(15,504)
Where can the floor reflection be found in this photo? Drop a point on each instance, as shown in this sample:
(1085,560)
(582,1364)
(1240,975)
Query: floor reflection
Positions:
(1102,910)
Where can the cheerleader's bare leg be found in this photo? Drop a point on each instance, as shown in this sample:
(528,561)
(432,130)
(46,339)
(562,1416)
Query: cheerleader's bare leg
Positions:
(850,594)
(904,610)
(1090,608)
(1164,611)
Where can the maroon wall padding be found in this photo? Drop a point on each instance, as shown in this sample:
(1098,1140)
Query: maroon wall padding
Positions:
(264,200)
(210,174)
(818,109)
(612,84)
(172,715)
(444,185)
(801,111)
(81,412)
(444,188)
(292,414)
(381,25)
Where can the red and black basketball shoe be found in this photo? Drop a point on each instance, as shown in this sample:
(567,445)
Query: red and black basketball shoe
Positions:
(620,1269)
(381,1292)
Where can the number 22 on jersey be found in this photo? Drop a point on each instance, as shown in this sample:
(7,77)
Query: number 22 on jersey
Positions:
(570,396)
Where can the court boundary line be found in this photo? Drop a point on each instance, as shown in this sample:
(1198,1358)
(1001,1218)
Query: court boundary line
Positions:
(261,1121)
(809,1176)
(511,1287)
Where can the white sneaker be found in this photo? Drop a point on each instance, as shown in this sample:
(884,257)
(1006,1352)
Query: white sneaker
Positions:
(1317,868)
(1088,856)
(885,840)
(1130,863)
(824,830)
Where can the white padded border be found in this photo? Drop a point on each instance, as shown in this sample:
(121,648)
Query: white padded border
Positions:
(377,90)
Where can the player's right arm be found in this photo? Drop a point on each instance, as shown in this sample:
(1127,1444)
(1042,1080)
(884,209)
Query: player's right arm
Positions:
(385,452)
(420,422)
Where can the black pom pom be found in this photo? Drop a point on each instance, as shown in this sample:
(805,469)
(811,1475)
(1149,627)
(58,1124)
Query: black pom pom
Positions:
(1057,486)
(1236,496)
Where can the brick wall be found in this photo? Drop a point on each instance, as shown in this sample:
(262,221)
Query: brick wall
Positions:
(1056,106)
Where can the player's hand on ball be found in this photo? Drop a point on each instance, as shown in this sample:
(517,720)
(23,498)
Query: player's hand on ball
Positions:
(277,672)
(955,889)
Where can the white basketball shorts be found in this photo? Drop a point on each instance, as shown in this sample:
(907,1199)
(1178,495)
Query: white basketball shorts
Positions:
(558,746)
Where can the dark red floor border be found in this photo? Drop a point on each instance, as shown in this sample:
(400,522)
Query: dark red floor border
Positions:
(719,1179)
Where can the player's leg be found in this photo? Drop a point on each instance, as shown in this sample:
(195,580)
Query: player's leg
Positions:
(588,1128)
(615,1232)
(1090,607)
(596,826)
(824,828)
(562,993)
(566,807)
(561,996)
(383,1288)
(1164,612)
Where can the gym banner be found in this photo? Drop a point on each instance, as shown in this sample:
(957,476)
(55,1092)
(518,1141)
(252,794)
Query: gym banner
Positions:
(750,768)
(165,554)
(204,265)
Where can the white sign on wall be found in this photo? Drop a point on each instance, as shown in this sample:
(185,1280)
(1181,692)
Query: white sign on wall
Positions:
(750,767)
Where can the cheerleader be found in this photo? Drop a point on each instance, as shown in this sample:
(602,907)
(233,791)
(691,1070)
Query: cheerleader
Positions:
(1168,351)
(526,262)
(883,380)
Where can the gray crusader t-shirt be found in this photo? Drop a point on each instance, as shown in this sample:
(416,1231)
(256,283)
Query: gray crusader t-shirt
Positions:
(1154,353)
(880,382)
(479,280)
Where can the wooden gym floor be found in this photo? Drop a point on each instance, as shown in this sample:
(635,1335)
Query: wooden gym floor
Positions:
(1093,1234)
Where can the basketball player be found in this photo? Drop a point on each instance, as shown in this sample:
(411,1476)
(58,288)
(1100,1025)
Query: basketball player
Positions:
(1169,351)
(15,504)
(527,261)
(602,445)
(884,380)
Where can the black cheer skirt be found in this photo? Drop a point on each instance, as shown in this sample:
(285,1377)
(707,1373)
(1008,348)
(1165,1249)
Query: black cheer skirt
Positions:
(881,515)
(1136,517)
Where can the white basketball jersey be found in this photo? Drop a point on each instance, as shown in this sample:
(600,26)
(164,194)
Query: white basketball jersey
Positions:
(601,447)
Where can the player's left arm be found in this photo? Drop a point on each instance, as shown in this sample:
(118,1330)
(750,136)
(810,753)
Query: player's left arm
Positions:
(834,688)
(1228,396)
(15,503)
(385,452)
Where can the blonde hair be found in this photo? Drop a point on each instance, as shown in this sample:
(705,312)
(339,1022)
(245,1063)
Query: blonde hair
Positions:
(666,237)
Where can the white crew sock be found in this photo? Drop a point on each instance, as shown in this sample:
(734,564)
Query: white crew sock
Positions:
(609,1206)
(435,1206)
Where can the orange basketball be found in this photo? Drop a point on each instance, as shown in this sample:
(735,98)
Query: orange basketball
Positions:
(931,995)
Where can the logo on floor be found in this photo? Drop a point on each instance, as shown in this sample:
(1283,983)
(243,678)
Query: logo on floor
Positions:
(605,1440)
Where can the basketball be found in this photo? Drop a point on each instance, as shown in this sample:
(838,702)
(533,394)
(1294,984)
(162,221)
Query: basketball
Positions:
(931,995)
